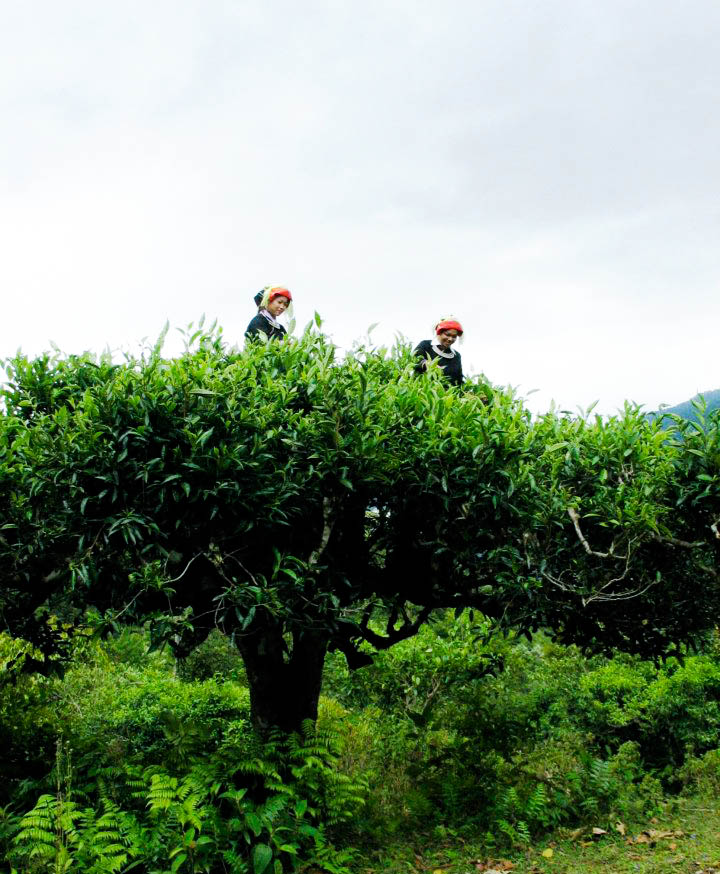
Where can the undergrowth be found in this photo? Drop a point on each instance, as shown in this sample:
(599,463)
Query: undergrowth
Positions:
(449,734)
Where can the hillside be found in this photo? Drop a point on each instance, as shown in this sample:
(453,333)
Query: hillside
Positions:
(687,409)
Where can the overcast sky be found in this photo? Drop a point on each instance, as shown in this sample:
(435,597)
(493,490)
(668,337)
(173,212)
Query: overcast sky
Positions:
(547,172)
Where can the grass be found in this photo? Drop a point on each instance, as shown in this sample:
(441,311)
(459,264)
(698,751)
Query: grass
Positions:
(684,839)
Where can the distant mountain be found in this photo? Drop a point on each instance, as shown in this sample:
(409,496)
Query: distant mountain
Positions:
(687,410)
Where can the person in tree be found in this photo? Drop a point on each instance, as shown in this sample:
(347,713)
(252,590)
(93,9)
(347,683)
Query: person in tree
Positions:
(271,302)
(447,332)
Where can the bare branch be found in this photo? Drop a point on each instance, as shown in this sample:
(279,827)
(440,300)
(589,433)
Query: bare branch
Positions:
(355,659)
(187,568)
(366,616)
(674,541)
(557,582)
(619,596)
(242,567)
(602,594)
(127,606)
(614,579)
(90,548)
(572,513)
(528,539)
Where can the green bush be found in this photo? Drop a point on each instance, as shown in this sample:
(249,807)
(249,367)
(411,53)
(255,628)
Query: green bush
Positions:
(664,710)
(27,721)
(131,647)
(216,656)
(113,713)
(551,738)
(701,774)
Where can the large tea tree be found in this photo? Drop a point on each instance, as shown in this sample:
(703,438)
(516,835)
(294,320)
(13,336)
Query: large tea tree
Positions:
(304,503)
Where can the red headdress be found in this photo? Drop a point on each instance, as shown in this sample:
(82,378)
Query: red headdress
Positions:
(278,291)
(449,325)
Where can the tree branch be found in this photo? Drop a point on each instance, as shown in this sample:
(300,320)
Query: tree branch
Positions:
(674,541)
(600,595)
(354,658)
(328,522)
(187,568)
(242,567)
(572,513)
(395,635)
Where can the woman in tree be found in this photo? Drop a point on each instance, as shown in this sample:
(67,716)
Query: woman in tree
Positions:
(272,302)
(447,332)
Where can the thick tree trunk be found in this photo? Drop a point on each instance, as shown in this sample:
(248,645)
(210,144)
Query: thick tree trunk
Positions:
(284,687)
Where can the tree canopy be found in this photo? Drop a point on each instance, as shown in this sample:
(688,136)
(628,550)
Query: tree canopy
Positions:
(302,502)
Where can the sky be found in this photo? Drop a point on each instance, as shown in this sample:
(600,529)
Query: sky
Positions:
(547,172)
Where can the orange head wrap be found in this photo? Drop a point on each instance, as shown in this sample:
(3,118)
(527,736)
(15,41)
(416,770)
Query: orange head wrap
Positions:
(449,325)
(279,291)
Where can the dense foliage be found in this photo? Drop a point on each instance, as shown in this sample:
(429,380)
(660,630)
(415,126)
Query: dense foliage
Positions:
(441,735)
(305,504)
(548,737)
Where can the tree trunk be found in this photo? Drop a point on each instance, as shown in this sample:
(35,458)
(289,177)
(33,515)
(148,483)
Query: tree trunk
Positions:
(284,687)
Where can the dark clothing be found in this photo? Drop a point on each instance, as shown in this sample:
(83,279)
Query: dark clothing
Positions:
(451,367)
(260,324)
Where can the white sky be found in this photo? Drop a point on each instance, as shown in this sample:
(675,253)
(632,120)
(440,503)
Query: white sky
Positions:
(545,171)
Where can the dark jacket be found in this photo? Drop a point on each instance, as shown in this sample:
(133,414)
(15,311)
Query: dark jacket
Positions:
(451,367)
(260,324)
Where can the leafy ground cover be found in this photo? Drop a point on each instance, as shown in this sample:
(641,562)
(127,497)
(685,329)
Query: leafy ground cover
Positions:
(683,839)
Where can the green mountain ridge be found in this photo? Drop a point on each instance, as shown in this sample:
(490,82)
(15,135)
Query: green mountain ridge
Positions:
(702,404)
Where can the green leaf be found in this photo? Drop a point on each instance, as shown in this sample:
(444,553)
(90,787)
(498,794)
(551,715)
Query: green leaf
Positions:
(288,848)
(253,820)
(178,861)
(261,857)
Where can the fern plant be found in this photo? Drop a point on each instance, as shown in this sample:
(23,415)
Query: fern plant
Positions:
(56,836)
(262,812)
(519,817)
(600,787)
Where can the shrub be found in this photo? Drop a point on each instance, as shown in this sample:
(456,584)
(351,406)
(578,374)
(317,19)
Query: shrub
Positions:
(701,774)
(131,647)
(441,737)
(217,656)
(27,720)
(112,713)
(664,710)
